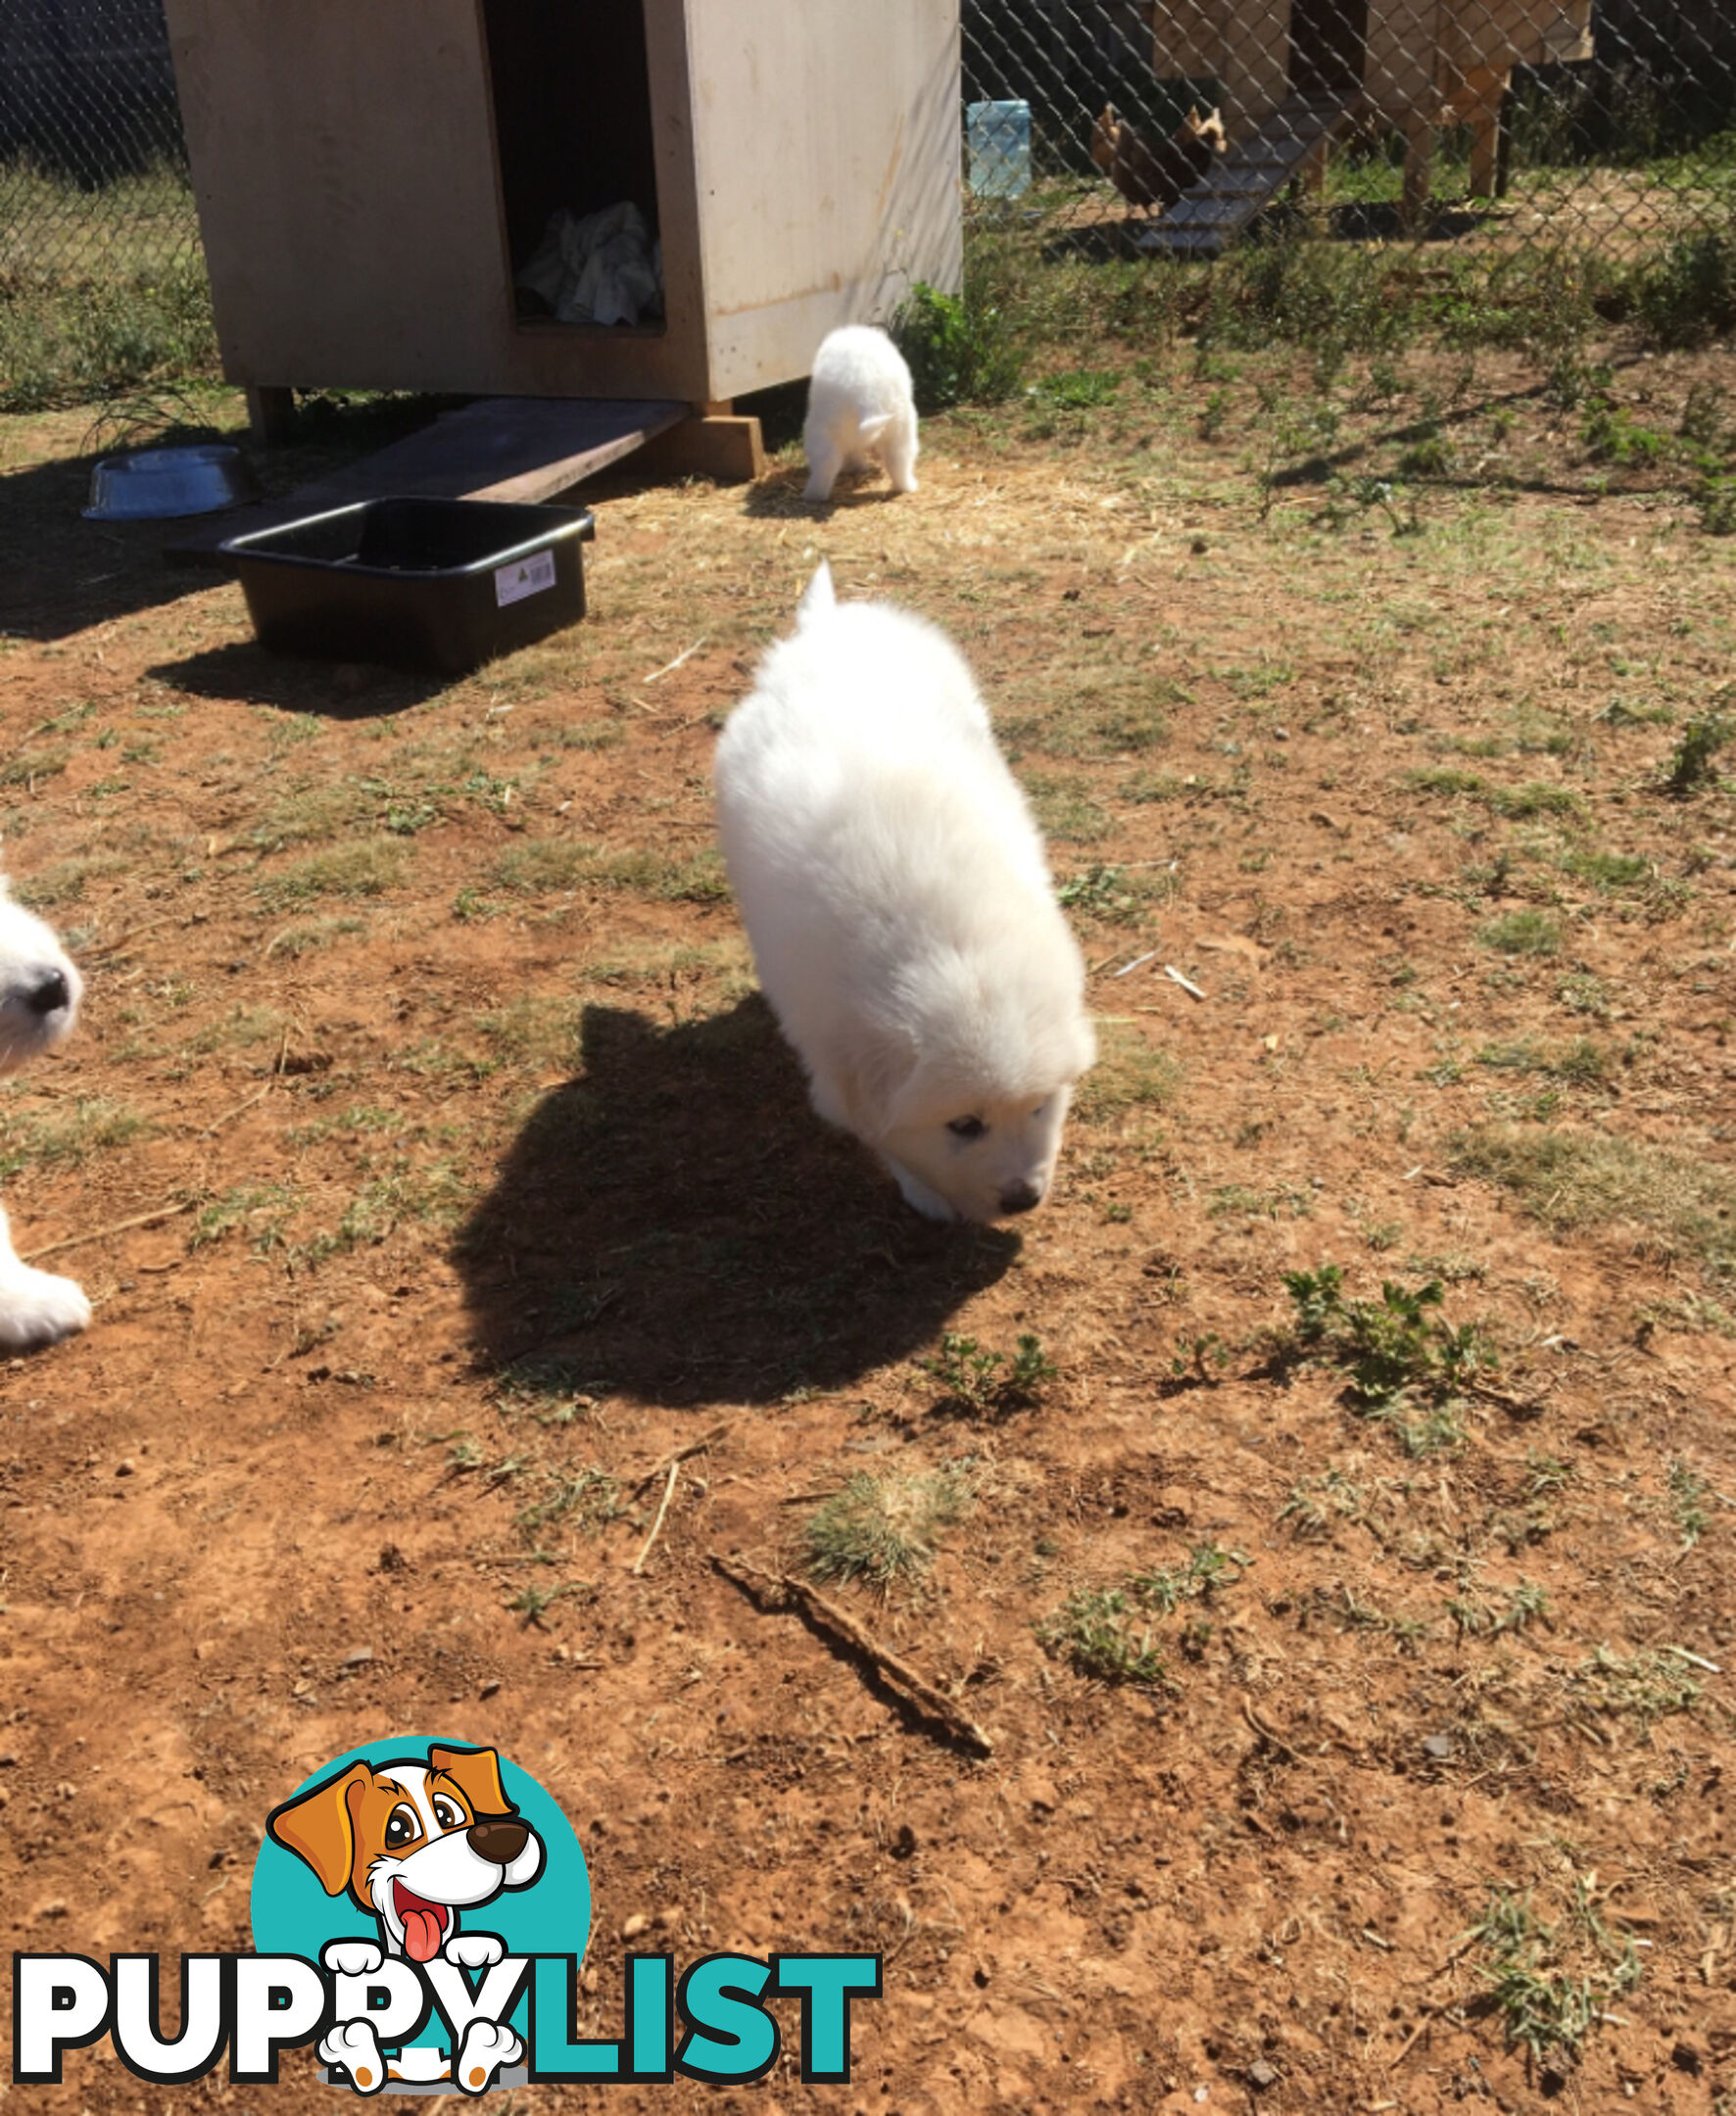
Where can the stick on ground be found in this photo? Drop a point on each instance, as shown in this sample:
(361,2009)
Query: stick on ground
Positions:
(782,1590)
(115,1226)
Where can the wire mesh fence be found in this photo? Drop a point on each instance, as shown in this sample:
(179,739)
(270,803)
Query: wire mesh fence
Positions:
(1178,127)
(93,176)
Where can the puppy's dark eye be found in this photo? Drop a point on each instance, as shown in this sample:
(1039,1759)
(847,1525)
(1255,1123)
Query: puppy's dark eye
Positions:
(402,1828)
(446,1812)
(967,1127)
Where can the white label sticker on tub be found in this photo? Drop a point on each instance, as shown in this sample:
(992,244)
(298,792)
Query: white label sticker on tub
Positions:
(524,576)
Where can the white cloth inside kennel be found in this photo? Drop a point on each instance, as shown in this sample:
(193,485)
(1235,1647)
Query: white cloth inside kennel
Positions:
(599,267)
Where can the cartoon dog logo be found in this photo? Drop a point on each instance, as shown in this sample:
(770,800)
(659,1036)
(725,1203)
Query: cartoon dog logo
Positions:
(415,1842)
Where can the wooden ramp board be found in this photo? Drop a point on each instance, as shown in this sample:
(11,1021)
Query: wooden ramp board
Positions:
(519,449)
(1232,195)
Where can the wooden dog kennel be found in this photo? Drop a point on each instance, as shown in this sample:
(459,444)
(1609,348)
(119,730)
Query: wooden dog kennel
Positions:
(371,178)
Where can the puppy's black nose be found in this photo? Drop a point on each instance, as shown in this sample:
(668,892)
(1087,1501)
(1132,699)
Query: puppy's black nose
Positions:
(49,994)
(1020,1197)
(499,1838)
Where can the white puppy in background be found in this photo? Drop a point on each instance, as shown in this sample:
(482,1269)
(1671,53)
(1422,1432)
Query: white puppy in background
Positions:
(859,409)
(39,993)
(903,923)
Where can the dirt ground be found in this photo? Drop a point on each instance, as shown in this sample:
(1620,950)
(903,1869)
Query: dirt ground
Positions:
(438,1177)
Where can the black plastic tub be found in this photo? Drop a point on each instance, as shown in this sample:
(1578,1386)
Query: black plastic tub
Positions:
(441,585)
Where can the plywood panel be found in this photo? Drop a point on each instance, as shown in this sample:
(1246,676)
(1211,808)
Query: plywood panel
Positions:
(827,156)
(343,167)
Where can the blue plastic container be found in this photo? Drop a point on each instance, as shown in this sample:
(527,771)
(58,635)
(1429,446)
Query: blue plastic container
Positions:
(997,141)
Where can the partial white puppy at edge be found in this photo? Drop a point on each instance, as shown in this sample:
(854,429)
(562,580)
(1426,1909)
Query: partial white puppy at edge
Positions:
(39,994)
(903,923)
(859,409)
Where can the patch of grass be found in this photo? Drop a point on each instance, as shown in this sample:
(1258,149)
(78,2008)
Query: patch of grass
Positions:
(1526,1604)
(1521,803)
(69,1137)
(1688,1494)
(1078,389)
(368,868)
(1612,435)
(591,734)
(1408,1368)
(1687,295)
(1529,932)
(1581,1063)
(1101,1634)
(62,881)
(534,1031)
(1130,1074)
(1645,1685)
(30,767)
(261,1209)
(1581,1178)
(1551,1984)
(1067,813)
(1690,766)
(541,866)
(886,1528)
(579,1498)
(306,935)
(1104,1632)
(1607,871)
(144,313)
(1209,1570)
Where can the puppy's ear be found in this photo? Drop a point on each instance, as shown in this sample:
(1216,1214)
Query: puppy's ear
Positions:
(818,598)
(870,1072)
(318,1828)
(476,1772)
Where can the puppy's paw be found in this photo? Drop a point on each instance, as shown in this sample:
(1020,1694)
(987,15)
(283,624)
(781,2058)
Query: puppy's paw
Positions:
(355,2046)
(352,1958)
(487,2046)
(473,1951)
(930,1203)
(36,1307)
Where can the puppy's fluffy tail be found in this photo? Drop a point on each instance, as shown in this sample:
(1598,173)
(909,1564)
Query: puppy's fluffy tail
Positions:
(818,600)
(869,430)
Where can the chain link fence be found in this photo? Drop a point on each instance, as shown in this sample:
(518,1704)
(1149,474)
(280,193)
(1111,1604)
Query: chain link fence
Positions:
(1177,128)
(1170,127)
(93,175)
(102,275)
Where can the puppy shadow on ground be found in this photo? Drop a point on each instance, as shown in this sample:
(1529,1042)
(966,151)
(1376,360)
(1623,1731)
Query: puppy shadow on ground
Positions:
(339,689)
(781,496)
(675,1224)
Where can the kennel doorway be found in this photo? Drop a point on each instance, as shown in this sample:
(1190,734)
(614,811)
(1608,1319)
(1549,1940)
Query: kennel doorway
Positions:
(1328,47)
(570,95)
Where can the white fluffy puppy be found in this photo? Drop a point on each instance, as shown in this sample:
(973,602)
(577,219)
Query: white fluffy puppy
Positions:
(904,924)
(39,993)
(859,409)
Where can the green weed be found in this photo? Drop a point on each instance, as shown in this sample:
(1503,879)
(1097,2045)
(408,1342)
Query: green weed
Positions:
(974,1379)
(1690,767)
(960,347)
(1408,1368)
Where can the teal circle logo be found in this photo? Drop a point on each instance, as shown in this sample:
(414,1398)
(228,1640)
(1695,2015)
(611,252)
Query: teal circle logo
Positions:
(440,1853)
(339,1849)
